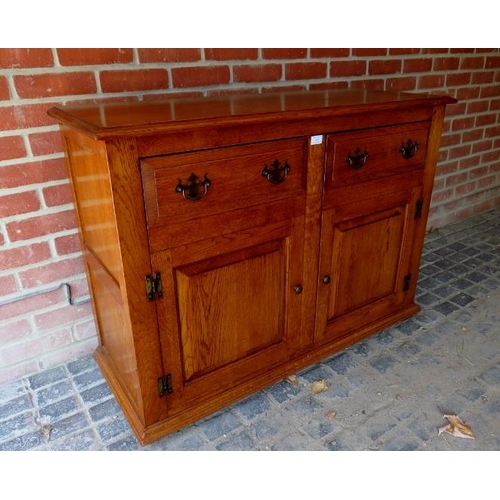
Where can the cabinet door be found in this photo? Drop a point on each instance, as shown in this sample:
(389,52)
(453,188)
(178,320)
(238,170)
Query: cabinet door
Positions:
(365,260)
(230,308)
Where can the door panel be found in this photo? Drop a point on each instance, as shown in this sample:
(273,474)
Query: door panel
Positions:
(226,317)
(366,254)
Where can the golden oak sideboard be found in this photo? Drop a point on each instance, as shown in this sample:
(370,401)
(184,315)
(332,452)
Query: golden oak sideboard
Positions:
(230,241)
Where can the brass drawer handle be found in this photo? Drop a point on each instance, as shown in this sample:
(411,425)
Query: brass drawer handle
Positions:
(195,189)
(277,173)
(409,149)
(358,159)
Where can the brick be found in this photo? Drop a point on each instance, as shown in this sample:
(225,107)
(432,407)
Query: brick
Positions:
(45,143)
(472,62)
(462,123)
(55,84)
(490,91)
(468,162)
(19,203)
(62,316)
(487,181)
(30,304)
(384,67)
(329,52)
(36,172)
(7,284)
(4,89)
(85,330)
(80,57)
(492,62)
(57,195)
(445,63)
(32,347)
(41,226)
(22,256)
(12,373)
(133,80)
(477,107)
(487,119)
(400,52)
(369,52)
(455,179)
(467,93)
(475,173)
(14,331)
(257,73)
(67,244)
(459,151)
(26,58)
(456,79)
(419,65)
(492,132)
(29,115)
(284,53)
(168,55)
(348,68)
(481,77)
(467,188)
(368,84)
(431,81)
(63,354)
(402,84)
(480,146)
(200,76)
(8,120)
(435,51)
(329,85)
(231,54)
(305,71)
(12,147)
(472,135)
(52,272)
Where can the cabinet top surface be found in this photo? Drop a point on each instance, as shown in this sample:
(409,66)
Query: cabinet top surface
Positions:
(171,114)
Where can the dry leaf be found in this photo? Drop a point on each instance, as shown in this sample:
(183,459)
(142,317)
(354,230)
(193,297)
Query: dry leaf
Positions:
(331,415)
(456,427)
(319,386)
(292,379)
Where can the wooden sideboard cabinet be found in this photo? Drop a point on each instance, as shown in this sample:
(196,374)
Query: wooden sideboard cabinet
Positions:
(231,241)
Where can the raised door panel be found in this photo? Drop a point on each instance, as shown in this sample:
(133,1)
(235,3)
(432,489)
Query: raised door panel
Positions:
(365,259)
(225,317)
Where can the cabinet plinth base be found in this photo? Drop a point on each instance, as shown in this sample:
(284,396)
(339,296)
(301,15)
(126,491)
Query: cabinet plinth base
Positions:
(148,434)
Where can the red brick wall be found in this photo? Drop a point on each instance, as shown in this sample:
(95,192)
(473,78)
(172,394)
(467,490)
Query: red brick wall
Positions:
(38,243)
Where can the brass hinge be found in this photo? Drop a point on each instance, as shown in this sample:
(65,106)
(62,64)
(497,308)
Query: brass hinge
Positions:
(406,282)
(153,286)
(165,385)
(418,208)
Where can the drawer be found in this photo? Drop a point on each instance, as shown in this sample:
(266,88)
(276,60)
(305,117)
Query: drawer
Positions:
(189,186)
(372,154)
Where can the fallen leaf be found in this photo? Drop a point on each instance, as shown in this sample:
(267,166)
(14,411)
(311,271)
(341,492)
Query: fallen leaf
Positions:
(292,379)
(319,386)
(456,427)
(331,415)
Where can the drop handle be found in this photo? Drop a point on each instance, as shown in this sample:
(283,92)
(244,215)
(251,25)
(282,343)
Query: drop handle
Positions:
(195,188)
(277,172)
(298,289)
(358,159)
(326,279)
(409,149)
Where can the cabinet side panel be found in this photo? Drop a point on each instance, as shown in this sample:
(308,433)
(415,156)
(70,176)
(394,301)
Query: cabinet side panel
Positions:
(93,198)
(114,330)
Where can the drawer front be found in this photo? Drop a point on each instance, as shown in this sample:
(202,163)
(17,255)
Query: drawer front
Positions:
(189,186)
(369,155)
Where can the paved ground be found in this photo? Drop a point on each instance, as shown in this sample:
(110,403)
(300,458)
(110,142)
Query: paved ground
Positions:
(389,392)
